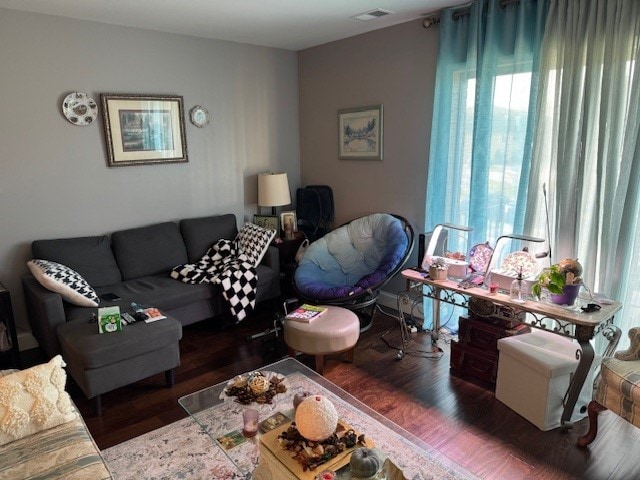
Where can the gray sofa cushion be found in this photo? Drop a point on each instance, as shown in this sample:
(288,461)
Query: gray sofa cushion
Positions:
(151,250)
(91,257)
(159,291)
(200,233)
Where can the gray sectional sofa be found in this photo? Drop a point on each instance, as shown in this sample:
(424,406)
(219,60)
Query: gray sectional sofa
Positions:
(133,264)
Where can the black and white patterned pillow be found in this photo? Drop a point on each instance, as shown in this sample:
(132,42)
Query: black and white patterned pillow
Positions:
(253,241)
(65,281)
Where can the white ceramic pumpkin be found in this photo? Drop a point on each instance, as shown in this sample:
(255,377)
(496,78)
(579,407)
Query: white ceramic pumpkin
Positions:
(316,418)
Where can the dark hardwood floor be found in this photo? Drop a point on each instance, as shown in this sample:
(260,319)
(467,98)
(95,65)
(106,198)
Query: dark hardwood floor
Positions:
(459,418)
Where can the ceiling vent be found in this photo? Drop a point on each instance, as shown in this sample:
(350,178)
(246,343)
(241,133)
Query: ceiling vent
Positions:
(373,14)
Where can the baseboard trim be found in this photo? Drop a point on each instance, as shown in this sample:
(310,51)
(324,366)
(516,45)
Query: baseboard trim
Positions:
(390,300)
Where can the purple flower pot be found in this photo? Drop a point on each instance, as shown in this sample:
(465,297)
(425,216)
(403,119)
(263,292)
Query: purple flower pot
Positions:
(568,295)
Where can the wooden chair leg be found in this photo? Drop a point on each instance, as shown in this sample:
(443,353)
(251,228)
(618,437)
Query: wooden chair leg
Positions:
(350,354)
(593,410)
(319,363)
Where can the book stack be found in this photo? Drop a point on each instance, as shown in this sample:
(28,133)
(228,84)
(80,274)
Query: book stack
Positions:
(306,313)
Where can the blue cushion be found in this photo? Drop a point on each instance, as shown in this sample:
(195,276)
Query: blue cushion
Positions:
(352,258)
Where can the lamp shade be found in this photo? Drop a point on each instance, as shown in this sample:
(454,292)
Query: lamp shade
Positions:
(273,190)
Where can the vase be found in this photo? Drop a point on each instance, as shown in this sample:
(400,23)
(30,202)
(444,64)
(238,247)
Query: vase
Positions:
(568,295)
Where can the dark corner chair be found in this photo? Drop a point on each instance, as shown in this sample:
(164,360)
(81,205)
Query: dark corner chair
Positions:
(349,266)
(314,210)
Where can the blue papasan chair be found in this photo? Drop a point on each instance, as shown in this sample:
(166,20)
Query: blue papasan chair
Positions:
(349,265)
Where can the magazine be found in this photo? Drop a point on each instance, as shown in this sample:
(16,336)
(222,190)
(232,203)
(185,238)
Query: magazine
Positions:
(306,313)
(153,315)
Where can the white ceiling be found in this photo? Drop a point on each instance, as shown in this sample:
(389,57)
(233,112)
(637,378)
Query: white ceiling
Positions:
(288,24)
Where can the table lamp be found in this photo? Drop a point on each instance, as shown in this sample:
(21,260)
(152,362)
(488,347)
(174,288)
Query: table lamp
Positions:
(273,190)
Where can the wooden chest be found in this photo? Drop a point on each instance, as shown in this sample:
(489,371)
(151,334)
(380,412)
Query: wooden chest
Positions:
(467,360)
(476,352)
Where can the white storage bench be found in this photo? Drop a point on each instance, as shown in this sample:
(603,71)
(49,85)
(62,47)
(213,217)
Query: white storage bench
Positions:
(534,372)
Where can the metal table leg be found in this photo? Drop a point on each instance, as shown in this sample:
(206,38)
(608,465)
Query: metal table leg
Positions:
(436,315)
(403,299)
(585,356)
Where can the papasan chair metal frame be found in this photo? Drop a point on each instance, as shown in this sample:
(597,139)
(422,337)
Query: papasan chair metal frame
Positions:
(362,295)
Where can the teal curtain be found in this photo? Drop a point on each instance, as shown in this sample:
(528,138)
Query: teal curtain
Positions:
(587,144)
(484,111)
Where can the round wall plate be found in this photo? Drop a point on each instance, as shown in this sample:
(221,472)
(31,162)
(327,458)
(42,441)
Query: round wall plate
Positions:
(199,116)
(79,108)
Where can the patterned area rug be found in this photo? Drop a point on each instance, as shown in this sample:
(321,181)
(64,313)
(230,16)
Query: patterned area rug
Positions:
(183,450)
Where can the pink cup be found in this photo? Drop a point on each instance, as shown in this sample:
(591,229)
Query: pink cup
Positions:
(250,422)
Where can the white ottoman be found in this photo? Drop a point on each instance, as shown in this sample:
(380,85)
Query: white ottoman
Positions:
(337,330)
(534,371)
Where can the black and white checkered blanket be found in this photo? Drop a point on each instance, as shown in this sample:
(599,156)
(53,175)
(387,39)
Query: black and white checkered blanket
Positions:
(222,266)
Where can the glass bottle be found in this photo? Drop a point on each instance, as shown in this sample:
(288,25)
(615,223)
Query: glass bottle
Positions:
(516,292)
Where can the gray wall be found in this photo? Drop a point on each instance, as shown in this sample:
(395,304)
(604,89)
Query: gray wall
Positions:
(394,67)
(54,180)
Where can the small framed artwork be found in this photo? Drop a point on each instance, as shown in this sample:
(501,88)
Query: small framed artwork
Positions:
(270,222)
(143,129)
(360,133)
(289,223)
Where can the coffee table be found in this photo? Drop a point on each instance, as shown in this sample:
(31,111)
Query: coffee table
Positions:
(218,415)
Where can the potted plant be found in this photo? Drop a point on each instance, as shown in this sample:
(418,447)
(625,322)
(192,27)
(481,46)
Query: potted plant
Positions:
(562,280)
(439,269)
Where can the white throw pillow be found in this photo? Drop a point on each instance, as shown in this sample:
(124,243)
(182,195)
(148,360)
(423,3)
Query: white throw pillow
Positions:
(65,281)
(33,400)
(253,241)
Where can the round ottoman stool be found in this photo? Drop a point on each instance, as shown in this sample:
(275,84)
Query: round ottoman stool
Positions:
(335,331)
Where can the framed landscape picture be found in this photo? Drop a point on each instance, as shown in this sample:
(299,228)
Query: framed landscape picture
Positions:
(143,129)
(360,133)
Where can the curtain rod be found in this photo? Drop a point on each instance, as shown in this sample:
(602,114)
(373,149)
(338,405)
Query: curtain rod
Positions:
(464,9)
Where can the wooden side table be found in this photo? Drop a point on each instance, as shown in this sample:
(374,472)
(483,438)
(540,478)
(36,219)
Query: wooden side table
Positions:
(9,358)
(287,249)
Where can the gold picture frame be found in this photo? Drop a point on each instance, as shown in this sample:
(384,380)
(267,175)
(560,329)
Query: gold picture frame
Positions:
(143,129)
(270,222)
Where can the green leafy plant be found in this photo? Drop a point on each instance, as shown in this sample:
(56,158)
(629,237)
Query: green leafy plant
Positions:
(550,278)
(555,277)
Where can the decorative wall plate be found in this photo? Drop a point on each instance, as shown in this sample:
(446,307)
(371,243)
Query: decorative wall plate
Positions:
(199,116)
(79,108)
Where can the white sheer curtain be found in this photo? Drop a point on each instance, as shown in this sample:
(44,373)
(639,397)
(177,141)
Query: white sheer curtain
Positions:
(587,144)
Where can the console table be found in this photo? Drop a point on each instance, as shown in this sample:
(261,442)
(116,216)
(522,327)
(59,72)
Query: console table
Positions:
(570,322)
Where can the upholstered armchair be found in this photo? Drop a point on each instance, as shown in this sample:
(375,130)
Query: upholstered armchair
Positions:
(618,389)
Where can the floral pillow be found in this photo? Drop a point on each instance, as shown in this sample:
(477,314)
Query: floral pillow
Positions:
(65,281)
